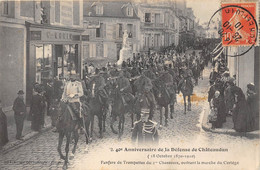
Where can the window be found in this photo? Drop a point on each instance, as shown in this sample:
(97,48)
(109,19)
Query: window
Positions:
(76,15)
(129,11)
(43,63)
(157,18)
(119,33)
(99,9)
(157,40)
(98,32)
(5,7)
(147,17)
(130,30)
(57,11)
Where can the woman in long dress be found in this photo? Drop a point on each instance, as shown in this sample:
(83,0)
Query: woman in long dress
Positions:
(242,117)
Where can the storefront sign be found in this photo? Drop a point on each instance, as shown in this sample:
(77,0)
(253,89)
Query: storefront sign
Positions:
(35,35)
(92,24)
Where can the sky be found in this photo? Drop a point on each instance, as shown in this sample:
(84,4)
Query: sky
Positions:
(203,9)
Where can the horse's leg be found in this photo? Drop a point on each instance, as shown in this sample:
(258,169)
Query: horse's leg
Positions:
(61,136)
(92,125)
(87,123)
(68,135)
(112,124)
(132,119)
(189,103)
(104,121)
(100,120)
(184,99)
(76,138)
(166,115)
(123,124)
(119,127)
(160,116)
(172,110)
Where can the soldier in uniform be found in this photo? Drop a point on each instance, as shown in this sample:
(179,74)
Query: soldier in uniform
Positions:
(144,86)
(167,79)
(186,75)
(145,130)
(73,90)
(125,88)
(97,84)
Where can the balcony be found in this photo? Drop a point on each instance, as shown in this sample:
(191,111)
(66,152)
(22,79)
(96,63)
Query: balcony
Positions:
(153,25)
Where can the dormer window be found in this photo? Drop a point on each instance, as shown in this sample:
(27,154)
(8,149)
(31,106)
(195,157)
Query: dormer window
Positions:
(99,9)
(129,11)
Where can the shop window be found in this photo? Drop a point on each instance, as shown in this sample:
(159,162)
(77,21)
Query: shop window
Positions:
(43,63)
(147,17)
(70,60)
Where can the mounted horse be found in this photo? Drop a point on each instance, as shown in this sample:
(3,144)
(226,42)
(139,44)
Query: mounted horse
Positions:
(186,87)
(122,103)
(98,102)
(68,124)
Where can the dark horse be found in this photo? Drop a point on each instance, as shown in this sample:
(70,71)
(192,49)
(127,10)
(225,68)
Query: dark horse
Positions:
(163,100)
(119,109)
(66,126)
(98,105)
(186,89)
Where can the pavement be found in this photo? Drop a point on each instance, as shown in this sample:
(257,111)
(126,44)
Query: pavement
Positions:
(227,126)
(27,132)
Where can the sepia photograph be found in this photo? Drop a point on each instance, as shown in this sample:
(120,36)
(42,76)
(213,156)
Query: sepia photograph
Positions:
(129,84)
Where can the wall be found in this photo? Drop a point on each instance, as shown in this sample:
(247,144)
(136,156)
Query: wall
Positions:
(12,65)
(242,66)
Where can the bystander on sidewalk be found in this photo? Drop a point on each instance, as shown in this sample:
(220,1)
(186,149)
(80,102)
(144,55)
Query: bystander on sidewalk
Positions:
(27,132)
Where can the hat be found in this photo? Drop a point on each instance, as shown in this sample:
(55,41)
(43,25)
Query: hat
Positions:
(251,86)
(20,92)
(231,80)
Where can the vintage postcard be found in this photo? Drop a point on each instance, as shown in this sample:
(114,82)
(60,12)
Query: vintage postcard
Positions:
(129,84)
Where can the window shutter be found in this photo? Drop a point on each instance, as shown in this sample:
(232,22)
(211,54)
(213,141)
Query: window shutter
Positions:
(162,18)
(104,31)
(134,31)
(114,31)
(152,17)
(117,30)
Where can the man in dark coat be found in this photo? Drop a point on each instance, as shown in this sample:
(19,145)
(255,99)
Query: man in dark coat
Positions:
(213,76)
(3,127)
(145,130)
(37,109)
(19,109)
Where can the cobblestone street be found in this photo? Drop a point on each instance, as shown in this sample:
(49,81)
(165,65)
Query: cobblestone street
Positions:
(184,131)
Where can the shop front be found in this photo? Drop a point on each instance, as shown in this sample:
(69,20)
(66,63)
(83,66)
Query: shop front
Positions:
(52,53)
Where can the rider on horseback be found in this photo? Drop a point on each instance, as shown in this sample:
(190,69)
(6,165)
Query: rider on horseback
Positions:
(186,75)
(167,79)
(97,84)
(73,90)
(125,88)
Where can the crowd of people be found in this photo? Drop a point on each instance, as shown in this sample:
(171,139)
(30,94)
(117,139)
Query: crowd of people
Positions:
(227,99)
(138,76)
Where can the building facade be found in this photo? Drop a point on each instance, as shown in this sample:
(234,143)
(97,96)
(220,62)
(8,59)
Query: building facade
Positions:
(159,24)
(104,24)
(40,40)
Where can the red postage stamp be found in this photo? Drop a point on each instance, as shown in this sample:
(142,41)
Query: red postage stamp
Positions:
(239,26)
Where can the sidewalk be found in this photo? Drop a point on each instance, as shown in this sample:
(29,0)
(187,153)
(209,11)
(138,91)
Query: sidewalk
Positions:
(27,132)
(227,126)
